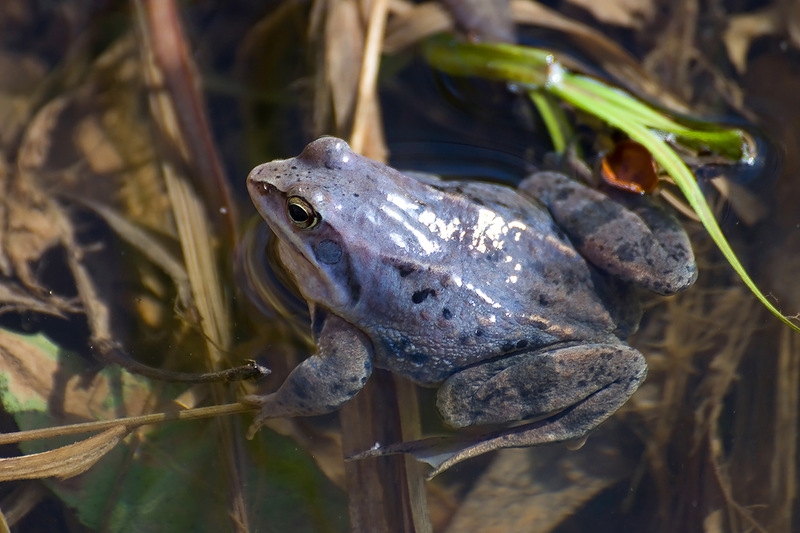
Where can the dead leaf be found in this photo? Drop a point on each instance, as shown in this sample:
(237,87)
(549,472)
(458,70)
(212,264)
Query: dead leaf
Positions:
(537,488)
(744,29)
(15,300)
(65,462)
(632,14)
(782,17)
(483,20)
(41,382)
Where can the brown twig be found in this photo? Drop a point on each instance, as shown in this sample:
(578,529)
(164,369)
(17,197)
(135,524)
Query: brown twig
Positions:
(179,79)
(130,422)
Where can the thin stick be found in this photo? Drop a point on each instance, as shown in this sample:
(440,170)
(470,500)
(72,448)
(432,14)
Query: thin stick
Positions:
(130,422)
(369,73)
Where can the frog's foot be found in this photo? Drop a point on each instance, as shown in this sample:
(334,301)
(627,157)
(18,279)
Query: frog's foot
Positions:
(323,382)
(630,237)
(277,405)
(267,410)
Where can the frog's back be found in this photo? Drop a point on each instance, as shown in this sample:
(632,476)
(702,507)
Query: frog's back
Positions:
(500,277)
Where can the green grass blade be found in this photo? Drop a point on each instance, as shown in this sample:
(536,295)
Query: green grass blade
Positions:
(538,70)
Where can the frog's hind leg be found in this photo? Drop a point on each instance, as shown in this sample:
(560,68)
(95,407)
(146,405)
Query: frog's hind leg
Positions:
(630,237)
(323,382)
(570,390)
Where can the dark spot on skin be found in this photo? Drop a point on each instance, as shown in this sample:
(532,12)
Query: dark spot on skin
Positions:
(590,219)
(493,257)
(418,358)
(420,296)
(447,314)
(394,346)
(355,195)
(538,323)
(293,167)
(626,252)
(404,269)
(328,252)
(562,194)
(543,300)
(521,344)
(463,340)
(507,346)
(355,290)
(479,332)
(300,388)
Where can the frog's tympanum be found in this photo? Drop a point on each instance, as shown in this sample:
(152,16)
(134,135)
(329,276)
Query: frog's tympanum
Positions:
(515,303)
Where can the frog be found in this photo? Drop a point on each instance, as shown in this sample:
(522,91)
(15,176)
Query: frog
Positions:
(516,303)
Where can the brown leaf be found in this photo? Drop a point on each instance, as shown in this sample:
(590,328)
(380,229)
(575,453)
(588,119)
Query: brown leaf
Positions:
(65,462)
(781,17)
(14,300)
(537,488)
(744,29)
(626,13)
(39,380)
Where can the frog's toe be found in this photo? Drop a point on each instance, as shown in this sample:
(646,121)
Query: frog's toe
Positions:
(254,427)
(259,400)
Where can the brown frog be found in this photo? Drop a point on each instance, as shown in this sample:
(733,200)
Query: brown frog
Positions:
(516,303)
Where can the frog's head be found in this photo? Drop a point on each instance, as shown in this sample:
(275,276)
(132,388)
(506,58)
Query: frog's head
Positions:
(312,204)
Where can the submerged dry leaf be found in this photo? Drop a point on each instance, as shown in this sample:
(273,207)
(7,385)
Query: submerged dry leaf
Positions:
(744,29)
(532,490)
(31,224)
(41,382)
(626,13)
(344,40)
(781,17)
(15,300)
(65,462)
(483,20)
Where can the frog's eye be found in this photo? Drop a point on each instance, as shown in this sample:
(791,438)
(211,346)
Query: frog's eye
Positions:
(301,213)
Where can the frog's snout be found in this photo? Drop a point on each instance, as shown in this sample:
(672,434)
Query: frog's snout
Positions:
(256,185)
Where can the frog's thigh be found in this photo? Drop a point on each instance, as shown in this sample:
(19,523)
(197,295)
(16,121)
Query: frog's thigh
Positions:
(643,243)
(575,387)
(323,382)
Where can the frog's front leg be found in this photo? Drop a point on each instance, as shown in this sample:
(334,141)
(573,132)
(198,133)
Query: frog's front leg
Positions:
(323,382)
(641,243)
(568,390)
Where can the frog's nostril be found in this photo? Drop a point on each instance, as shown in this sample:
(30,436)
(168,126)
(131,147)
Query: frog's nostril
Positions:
(256,186)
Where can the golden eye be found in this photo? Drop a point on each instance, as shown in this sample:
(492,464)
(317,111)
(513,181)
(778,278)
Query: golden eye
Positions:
(301,213)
